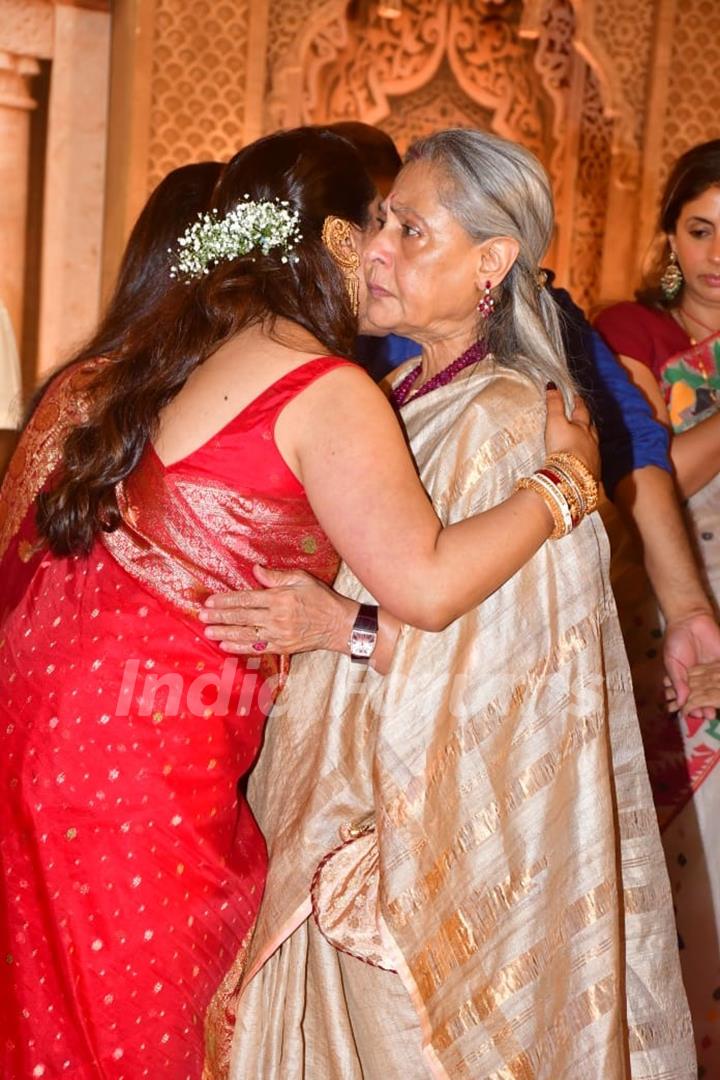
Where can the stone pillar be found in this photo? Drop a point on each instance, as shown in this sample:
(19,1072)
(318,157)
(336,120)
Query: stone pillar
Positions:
(74,182)
(128,149)
(16,104)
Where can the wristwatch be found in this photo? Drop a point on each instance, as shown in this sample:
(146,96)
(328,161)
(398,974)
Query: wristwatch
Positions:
(363,636)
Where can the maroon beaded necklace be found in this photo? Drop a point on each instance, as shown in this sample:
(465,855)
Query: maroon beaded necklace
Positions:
(401,393)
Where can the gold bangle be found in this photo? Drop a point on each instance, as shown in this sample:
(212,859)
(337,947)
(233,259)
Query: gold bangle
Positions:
(553,499)
(580,474)
(569,487)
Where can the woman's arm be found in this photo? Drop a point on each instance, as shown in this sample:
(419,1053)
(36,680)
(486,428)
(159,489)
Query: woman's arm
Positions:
(295,613)
(695,454)
(299,614)
(342,440)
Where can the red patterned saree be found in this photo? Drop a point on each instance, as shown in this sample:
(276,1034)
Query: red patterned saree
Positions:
(132,867)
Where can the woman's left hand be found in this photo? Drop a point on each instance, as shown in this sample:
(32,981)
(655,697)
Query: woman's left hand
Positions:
(574,436)
(703,699)
(292,613)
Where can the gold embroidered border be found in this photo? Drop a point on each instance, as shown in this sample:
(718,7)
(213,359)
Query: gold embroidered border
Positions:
(585,1009)
(494,450)
(471,735)
(645,1037)
(220,1017)
(483,824)
(589,909)
(63,407)
(462,934)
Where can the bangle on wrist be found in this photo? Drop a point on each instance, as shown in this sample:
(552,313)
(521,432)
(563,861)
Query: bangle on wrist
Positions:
(579,474)
(568,489)
(553,499)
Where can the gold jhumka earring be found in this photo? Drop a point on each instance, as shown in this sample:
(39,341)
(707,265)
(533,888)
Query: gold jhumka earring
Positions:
(337,238)
(672,280)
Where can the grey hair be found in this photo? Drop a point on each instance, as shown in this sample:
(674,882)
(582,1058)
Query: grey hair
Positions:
(497,188)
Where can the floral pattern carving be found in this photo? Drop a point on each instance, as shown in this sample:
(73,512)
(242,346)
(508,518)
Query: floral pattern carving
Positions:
(554,33)
(591,195)
(627,37)
(360,65)
(493,64)
(440,103)
(505,65)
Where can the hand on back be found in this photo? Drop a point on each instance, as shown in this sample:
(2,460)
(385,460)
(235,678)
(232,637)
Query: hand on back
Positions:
(576,435)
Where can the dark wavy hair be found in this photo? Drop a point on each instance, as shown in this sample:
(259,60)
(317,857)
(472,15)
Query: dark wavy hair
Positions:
(379,154)
(318,173)
(142,279)
(692,174)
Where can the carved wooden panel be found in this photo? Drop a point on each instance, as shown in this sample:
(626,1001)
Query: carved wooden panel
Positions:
(362,67)
(286,21)
(693,105)
(494,66)
(591,196)
(198,82)
(439,104)
(554,33)
(626,33)
(571,79)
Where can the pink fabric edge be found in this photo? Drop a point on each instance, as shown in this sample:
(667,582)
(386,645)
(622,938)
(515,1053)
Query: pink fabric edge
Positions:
(304,912)
(434,1064)
(286,930)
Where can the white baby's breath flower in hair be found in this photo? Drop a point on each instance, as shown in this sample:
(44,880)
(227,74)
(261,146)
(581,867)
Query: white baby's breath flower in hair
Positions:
(249,226)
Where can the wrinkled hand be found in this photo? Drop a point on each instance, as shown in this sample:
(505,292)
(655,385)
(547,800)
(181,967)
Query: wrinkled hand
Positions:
(574,436)
(704,696)
(293,612)
(689,643)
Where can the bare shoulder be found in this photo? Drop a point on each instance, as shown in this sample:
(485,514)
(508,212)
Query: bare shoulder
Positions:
(346,387)
(343,408)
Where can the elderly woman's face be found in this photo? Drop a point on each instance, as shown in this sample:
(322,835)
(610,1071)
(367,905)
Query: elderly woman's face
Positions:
(422,269)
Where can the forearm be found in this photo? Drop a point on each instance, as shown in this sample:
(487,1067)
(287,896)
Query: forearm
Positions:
(293,613)
(506,538)
(695,455)
(648,501)
(388,631)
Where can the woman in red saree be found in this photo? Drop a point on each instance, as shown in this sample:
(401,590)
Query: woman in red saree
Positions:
(227,430)
(669,339)
(70,820)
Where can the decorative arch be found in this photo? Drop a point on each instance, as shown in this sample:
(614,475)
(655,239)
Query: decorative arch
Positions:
(555,75)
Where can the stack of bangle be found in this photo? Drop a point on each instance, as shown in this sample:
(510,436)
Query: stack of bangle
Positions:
(568,487)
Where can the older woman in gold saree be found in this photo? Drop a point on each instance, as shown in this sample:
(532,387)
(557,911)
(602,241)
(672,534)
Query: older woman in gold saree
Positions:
(225,425)
(465,872)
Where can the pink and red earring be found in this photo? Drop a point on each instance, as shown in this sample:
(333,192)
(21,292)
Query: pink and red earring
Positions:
(486,303)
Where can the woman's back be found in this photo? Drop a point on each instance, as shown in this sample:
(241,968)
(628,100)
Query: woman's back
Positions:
(126,733)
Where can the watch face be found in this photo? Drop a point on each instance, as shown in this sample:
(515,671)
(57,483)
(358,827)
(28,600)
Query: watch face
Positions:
(362,643)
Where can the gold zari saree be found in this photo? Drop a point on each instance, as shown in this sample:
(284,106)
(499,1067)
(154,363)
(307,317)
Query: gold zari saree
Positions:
(479,821)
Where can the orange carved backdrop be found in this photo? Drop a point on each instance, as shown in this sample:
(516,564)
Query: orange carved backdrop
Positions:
(198,82)
(606,92)
(504,65)
(574,80)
